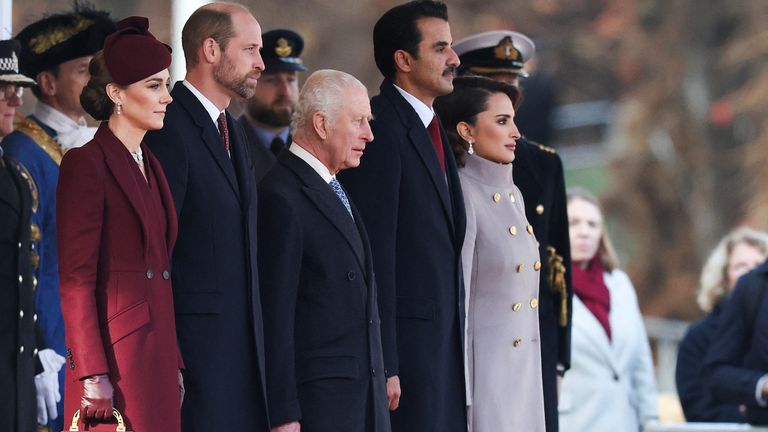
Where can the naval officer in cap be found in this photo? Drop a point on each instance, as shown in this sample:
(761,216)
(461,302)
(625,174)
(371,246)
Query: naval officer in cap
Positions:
(538,173)
(267,116)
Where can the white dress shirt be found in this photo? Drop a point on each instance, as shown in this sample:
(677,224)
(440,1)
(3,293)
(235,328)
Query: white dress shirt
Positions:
(209,106)
(426,113)
(312,161)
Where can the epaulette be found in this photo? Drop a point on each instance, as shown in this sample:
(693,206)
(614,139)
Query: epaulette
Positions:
(24,173)
(40,137)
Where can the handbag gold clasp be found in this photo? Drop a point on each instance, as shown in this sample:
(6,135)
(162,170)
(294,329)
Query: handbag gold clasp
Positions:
(115,413)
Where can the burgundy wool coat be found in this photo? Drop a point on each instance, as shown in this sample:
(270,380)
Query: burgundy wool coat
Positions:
(116,232)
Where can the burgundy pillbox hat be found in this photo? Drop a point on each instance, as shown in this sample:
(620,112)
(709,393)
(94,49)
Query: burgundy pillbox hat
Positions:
(132,53)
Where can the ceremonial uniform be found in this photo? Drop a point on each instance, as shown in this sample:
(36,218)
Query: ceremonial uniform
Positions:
(278,84)
(18,352)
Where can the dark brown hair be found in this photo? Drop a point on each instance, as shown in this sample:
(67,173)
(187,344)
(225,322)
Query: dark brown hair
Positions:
(94,98)
(469,98)
(398,29)
(205,23)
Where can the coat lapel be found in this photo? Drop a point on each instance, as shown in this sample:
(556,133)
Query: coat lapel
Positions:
(323,197)
(165,194)
(208,132)
(119,165)
(419,138)
(527,175)
(594,332)
(241,160)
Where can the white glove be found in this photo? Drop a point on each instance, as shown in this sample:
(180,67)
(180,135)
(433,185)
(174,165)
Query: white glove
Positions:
(47,385)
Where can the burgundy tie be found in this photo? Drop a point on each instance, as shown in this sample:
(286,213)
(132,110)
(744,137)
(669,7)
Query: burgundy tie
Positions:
(437,142)
(224,130)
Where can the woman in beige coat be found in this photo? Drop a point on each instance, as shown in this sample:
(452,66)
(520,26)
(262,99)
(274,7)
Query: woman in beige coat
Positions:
(500,259)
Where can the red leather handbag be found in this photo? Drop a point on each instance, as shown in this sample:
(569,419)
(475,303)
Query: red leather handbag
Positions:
(102,427)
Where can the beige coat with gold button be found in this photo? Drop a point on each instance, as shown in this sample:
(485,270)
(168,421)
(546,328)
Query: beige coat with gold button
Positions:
(501,276)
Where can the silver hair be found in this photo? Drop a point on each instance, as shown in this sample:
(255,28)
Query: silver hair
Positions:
(714,274)
(324,91)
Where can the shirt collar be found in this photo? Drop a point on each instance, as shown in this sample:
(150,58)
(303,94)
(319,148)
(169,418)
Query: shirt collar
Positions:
(312,161)
(426,113)
(266,136)
(57,120)
(209,106)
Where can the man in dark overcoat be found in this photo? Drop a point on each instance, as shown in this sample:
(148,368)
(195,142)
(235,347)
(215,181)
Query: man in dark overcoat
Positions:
(325,370)
(408,192)
(210,173)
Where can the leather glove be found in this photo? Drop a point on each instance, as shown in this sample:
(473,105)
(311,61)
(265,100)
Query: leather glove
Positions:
(181,388)
(47,385)
(97,402)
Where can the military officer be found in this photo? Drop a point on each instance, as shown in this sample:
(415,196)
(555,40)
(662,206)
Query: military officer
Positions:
(267,116)
(538,173)
(18,352)
(55,51)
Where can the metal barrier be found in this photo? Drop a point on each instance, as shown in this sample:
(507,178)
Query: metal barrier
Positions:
(665,335)
(702,427)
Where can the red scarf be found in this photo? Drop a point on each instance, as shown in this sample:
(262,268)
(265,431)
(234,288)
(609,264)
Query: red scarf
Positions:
(589,285)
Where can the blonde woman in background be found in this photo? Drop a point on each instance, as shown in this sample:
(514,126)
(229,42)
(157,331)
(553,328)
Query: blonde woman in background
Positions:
(737,253)
(610,386)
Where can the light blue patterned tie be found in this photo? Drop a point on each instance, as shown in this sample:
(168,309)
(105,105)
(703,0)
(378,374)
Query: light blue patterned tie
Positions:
(340,193)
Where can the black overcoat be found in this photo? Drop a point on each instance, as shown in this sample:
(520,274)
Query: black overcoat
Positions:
(321,319)
(18,339)
(415,220)
(538,173)
(215,273)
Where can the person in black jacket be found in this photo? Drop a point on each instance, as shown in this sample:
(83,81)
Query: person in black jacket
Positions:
(407,189)
(737,253)
(206,160)
(736,363)
(538,173)
(18,338)
(325,368)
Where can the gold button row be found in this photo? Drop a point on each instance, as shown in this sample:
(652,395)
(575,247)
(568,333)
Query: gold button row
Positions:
(513,229)
(536,266)
(497,197)
(534,304)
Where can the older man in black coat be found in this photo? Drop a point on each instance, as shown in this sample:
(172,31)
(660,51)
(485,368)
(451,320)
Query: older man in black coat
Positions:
(325,368)
(408,191)
(209,170)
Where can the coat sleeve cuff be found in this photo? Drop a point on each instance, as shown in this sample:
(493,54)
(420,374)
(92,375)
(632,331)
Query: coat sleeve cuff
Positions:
(280,414)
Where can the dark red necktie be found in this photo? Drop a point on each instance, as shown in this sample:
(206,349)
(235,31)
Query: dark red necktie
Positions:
(224,130)
(437,142)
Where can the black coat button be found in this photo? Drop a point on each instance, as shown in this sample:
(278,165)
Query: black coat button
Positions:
(166,274)
(373,372)
(150,274)
(615,377)
(351,275)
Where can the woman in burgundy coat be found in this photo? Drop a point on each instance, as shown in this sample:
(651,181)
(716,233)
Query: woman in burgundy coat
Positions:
(116,231)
